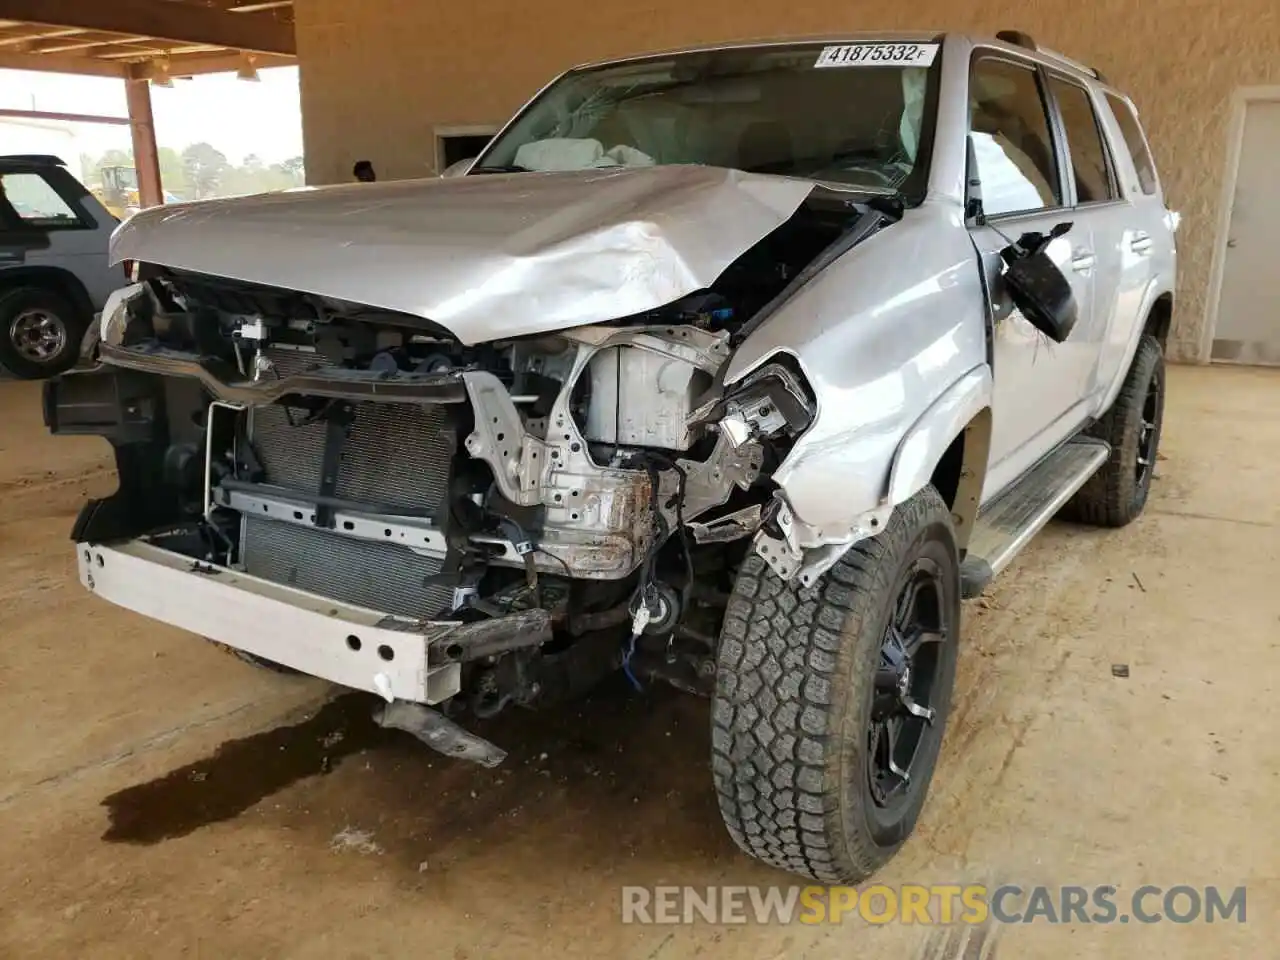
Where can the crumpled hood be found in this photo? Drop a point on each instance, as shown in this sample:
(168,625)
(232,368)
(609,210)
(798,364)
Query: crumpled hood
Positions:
(487,256)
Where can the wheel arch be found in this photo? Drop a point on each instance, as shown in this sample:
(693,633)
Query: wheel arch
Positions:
(1157,321)
(55,279)
(961,472)
(949,446)
(1160,320)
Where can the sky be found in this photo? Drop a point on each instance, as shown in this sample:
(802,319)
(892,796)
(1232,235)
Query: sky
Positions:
(236,116)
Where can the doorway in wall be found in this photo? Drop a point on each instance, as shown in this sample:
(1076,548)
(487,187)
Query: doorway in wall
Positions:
(455,144)
(1247,328)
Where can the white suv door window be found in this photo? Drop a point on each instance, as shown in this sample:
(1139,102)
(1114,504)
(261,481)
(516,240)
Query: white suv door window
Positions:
(36,202)
(1090,162)
(1012,145)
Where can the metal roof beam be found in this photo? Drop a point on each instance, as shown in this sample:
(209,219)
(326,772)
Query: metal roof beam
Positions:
(63,117)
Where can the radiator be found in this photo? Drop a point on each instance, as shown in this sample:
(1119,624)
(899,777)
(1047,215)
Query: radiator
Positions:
(381,576)
(396,457)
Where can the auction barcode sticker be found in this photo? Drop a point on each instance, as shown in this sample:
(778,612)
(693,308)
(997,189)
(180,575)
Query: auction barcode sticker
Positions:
(879,55)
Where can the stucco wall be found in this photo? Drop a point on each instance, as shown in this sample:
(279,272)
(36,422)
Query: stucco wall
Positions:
(378,75)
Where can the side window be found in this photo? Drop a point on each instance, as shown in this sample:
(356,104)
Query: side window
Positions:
(35,201)
(1136,143)
(1011,142)
(1090,161)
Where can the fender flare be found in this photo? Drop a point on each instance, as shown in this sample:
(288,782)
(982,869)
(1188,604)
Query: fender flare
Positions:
(963,406)
(57,279)
(1153,293)
(964,403)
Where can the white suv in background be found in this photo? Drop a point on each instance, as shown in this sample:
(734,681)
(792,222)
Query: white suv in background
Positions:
(54,271)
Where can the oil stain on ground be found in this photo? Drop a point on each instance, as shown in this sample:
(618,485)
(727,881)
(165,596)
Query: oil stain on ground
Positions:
(241,773)
(601,748)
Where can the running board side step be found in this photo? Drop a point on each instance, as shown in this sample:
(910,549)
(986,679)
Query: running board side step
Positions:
(1007,523)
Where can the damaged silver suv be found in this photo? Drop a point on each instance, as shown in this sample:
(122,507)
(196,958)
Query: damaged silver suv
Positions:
(734,369)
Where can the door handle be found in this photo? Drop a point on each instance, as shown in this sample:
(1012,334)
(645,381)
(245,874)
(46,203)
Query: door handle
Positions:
(1141,243)
(1083,261)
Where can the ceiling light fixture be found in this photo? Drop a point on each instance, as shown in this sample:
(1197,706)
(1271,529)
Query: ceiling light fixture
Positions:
(247,69)
(160,74)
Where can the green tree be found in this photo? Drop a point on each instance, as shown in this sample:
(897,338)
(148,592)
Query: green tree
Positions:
(205,169)
(173,174)
(295,168)
(116,158)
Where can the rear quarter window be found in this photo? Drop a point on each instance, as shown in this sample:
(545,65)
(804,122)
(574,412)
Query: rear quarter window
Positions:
(1136,142)
(35,202)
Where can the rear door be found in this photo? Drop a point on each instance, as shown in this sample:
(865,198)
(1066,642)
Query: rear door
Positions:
(1125,225)
(1020,162)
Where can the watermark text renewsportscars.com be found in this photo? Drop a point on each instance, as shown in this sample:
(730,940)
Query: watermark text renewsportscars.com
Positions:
(933,904)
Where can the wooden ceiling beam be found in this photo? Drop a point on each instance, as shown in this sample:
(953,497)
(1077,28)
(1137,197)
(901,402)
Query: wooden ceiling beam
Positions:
(85,41)
(47,63)
(179,22)
(31,35)
(197,64)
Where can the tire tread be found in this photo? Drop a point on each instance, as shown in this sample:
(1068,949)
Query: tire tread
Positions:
(1108,498)
(787,669)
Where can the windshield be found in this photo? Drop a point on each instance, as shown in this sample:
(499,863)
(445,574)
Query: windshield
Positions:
(854,113)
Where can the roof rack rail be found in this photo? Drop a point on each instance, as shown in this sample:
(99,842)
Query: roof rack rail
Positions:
(41,159)
(1019,39)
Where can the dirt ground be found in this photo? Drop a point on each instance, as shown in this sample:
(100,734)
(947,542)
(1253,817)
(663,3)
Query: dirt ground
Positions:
(158,798)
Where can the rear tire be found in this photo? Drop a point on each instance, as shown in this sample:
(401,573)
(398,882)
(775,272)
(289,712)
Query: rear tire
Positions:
(40,332)
(806,689)
(1117,494)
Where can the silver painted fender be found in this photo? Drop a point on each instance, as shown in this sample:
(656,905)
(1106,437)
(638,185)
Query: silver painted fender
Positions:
(881,335)
(965,406)
(1156,289)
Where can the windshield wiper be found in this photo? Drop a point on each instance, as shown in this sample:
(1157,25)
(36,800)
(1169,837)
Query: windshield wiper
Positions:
(499,168)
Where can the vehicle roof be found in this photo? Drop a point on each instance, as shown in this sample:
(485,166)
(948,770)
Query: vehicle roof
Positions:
(899,36)
(914,36)
(31,160)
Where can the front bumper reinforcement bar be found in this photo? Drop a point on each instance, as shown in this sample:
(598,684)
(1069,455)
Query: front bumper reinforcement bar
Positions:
(398,658)
(228,384)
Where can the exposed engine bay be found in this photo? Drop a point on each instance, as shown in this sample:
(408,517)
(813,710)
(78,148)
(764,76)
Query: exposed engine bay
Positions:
(600,482)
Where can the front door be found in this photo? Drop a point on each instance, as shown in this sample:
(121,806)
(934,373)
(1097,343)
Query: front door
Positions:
(1039,384)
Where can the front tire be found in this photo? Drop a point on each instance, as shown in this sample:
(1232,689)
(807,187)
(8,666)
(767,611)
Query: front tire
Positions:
(1117,494)
(831,700)
(40,332)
